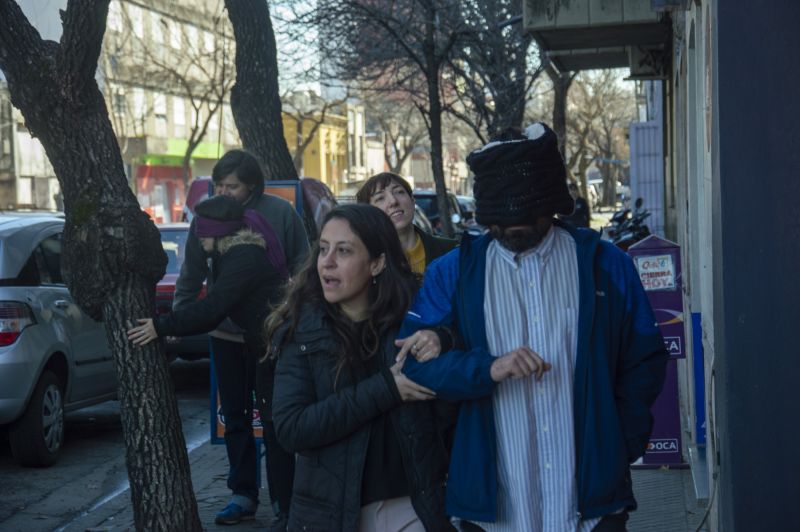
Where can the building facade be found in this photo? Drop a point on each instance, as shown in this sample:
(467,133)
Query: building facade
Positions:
(27,180)
(166,70)
(323,141)
(731,176)
(729,149)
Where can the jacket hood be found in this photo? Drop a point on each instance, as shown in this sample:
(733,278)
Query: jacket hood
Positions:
(241,237)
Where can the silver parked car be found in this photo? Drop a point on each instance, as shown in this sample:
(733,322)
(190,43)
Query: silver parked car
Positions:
(53,357)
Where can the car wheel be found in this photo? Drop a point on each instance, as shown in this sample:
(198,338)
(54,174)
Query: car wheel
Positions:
(36,438)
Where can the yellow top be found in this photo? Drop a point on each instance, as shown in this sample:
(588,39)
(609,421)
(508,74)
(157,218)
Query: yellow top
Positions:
(416,256)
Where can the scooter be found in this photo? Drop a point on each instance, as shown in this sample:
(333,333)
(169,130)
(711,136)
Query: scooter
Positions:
(631,228)
(616,223)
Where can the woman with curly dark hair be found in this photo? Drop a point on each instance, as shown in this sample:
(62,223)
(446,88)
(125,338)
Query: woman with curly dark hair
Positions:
(370,455)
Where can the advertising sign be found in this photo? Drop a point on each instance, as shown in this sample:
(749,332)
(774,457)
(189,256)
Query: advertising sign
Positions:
(657,272)
(664,447)
(288,190)
(658,262)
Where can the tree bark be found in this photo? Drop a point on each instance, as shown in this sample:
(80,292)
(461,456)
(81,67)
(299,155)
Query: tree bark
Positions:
(299,149)
(510,105)
(561,83)
(186,166)
(112,256)
(158,466)
(255,98)
(433,64)
(437,154)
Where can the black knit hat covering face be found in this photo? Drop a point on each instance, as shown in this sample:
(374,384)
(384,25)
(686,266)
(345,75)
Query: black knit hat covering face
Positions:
(520,180)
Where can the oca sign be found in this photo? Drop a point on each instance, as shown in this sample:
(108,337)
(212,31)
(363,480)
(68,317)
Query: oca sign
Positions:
(657,272)
(668,445)
(673,345)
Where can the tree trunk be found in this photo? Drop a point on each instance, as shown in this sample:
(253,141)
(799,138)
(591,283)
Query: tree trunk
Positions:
(112,256)
(255,98)
(435,122)
(299,149)
(437,154)
(609,183)
(158,466)
(511,98)
(401,160)
(561,83)
(583,182)
(186,167)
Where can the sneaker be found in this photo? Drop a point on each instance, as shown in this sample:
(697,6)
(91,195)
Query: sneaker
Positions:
(233,514)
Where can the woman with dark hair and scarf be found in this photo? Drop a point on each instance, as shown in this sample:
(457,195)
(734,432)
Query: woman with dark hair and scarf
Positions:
(370,456)
(238,175)
(247,278)
(249,272)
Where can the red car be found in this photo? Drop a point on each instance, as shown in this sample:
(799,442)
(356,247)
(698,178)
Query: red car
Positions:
(173,238)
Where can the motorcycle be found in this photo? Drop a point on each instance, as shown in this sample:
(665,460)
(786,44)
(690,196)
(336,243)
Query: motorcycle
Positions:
(628,227)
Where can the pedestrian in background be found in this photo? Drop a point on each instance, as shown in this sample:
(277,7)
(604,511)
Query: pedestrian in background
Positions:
(238,175)
(579,217)
(246,284)
(562,359)
(392,194)
(369,453)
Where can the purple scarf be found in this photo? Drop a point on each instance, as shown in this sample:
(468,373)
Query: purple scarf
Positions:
(253,220)
(209,227)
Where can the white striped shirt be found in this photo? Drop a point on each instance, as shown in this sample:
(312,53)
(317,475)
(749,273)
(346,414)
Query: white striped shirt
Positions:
(532,300)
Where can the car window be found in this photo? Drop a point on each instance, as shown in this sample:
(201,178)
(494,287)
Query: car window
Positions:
(454,207)
(174,244)
(467,205)
(50,269)
(427,204)
(28,275)
(421,221)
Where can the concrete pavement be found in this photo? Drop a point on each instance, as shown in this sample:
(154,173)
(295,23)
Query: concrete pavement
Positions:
(666,500)
(209,465)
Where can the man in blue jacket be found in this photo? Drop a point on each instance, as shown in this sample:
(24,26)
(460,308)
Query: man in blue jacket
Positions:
(562,355)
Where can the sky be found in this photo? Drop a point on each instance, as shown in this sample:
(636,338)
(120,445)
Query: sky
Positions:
(295,58)
(43,14)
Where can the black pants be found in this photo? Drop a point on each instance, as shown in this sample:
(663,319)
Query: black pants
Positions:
(235,370)
(612,523)
(280,470)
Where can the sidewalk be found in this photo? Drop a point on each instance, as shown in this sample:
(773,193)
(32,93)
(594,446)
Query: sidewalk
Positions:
(209,465)
(666,500)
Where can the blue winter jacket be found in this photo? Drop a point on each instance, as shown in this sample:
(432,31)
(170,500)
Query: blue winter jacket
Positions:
(619,372)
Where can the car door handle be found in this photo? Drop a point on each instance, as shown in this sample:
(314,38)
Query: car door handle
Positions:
(61,303)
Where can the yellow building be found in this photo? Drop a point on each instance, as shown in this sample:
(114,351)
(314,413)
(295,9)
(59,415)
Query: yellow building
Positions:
(324,154)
